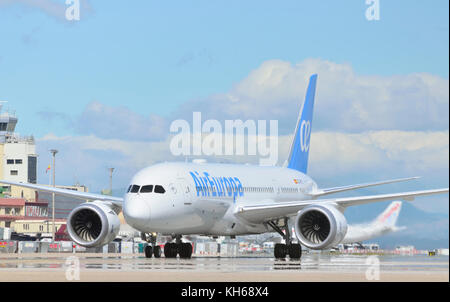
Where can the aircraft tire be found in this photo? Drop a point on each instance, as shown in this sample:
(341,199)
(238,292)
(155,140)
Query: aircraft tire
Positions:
(185,250)
(280,251)
(157,251)
(295,251)
(148,251)
(170,250)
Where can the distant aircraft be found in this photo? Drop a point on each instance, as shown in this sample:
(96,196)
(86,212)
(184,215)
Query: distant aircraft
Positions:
(182,198)
(385,223)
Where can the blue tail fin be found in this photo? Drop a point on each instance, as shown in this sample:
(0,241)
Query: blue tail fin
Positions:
(298,156)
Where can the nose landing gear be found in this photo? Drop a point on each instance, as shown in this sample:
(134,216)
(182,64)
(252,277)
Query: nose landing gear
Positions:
(171,249)
(151,249)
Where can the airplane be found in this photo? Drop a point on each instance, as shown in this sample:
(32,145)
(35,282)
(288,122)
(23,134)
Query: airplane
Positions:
(199,198)
(385,223)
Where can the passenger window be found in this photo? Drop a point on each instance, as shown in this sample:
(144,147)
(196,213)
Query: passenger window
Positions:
(159,189)
(135,189)
(147,189)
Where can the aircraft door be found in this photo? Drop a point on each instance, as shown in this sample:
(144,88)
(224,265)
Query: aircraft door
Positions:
(175,194)
(185,190)
(276,187)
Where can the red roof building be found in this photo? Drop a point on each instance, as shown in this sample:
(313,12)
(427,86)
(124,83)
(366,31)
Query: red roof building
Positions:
(11,209)
(15,209)
(12,202)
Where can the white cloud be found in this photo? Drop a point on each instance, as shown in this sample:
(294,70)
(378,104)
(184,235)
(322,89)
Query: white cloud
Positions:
(345,101)
(379,151)
(120,122)
(339,156)
(86,159)
(365,128)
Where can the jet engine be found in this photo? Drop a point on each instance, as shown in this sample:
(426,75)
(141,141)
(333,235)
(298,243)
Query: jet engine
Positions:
(320,226)
(93,224)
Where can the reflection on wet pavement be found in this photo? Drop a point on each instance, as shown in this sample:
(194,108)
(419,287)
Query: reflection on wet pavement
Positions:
(309,262)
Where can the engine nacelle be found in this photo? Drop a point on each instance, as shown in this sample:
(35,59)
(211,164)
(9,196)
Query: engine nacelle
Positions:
(320,226)
(93,224)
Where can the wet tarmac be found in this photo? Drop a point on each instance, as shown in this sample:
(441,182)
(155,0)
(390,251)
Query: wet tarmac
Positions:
(312,267)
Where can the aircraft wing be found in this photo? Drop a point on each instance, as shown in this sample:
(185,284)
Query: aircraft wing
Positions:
(265,212)
(117,201)
(322,192)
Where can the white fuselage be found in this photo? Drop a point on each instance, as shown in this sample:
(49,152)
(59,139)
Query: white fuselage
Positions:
(202,198)
(363,232)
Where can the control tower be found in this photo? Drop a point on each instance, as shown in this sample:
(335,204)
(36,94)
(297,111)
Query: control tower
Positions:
(8,123)
(18,158)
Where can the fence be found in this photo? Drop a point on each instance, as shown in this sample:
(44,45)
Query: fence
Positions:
(207,248)
(8,246)
(21,247)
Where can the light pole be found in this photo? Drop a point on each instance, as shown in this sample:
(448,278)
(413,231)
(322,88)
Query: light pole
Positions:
(53,152)
(111,170)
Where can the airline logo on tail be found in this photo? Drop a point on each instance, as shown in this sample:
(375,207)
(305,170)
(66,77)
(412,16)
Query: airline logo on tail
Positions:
(298,156)
(390,215)
(305,135)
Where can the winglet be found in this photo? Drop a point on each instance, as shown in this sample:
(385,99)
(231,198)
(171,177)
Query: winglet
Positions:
(298,155)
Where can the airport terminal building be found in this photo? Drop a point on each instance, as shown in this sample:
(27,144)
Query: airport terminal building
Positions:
(25,210)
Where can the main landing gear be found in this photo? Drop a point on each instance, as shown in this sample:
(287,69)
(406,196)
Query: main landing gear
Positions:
(294,250)
(183,249)
(171,249)
(151,249)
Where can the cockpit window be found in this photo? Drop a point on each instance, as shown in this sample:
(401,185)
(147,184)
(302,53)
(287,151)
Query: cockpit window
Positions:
(159,189)
(134,189)
(147,189)
(129,188)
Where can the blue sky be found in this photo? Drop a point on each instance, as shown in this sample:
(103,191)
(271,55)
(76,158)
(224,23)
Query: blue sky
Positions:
(152,56)
(86,86)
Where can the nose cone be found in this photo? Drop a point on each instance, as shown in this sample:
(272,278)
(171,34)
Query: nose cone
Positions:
(136,212)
